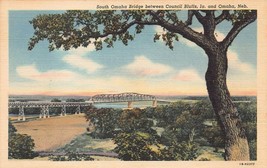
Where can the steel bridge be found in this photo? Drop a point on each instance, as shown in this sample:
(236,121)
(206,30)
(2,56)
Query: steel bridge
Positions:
(101,98)
(124,97)
(44,106)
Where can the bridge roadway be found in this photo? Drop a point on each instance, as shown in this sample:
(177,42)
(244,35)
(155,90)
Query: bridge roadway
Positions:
(101,98)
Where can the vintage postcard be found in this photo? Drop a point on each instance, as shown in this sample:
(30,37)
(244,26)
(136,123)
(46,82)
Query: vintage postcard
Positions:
(168,83)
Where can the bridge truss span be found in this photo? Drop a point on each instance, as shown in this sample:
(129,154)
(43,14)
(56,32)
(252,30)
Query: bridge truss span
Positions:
(129,97)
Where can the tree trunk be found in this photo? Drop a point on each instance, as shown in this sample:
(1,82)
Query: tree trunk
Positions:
(236,144)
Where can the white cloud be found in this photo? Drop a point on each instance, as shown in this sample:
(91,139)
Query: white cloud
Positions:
(31,72)
(185,82)
(82,63)
(235,64)
(142,66)
(82,50)
(28,72)
(77,58)
(187,75)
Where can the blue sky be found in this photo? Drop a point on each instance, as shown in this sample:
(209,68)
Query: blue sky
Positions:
(143,66)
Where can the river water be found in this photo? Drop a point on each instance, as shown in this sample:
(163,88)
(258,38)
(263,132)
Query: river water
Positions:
(122,105)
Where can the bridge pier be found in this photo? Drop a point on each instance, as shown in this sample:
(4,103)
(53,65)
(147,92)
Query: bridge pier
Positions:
(44,112)
(21,114)
(130,104)
(78,110)
(44,107)
(63,111)
(41,113)
(154,103)
(47,112)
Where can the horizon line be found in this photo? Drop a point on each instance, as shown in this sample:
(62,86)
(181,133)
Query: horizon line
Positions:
(77,95)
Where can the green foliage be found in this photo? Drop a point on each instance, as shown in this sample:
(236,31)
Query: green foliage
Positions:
(108,122)
(79,28)
(214,136)
(185,125)
(185,121)
(135,120)
(149,112)
(105,121)
(136,146)
(166,115)
(70,156)
(253,149)
(248,114)
(203,109)
(143,146)
(76,28)
(20,146)
(11,129)
(238,16)
(185,150)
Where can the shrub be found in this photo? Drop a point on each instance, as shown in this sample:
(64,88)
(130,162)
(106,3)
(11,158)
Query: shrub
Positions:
(185,150)
(136,146)
(253,150)
(70,156)
(20,146)
(105,121)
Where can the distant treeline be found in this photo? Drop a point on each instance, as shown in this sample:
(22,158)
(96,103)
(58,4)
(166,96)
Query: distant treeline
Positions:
(23,100)
(53,100)
(234,98)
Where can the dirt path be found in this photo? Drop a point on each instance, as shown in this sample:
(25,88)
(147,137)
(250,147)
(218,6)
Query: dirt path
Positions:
(54,132)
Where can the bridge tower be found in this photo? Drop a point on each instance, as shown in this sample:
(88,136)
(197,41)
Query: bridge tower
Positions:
(154,103)
(130,104)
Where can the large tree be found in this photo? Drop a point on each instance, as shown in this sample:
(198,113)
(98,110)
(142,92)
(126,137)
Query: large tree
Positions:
(73,29)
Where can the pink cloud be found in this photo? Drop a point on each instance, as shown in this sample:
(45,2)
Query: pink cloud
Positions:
(187,75)
(31,72)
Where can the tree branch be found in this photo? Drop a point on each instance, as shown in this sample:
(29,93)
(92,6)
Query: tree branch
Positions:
(191,13)
(199,17)
(224,15)
(182,29)
(123,29)
(238,26)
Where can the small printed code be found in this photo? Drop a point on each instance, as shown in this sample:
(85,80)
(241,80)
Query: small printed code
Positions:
(247,164)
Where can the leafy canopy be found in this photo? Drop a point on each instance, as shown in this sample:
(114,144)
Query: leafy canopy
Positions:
(76,28)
